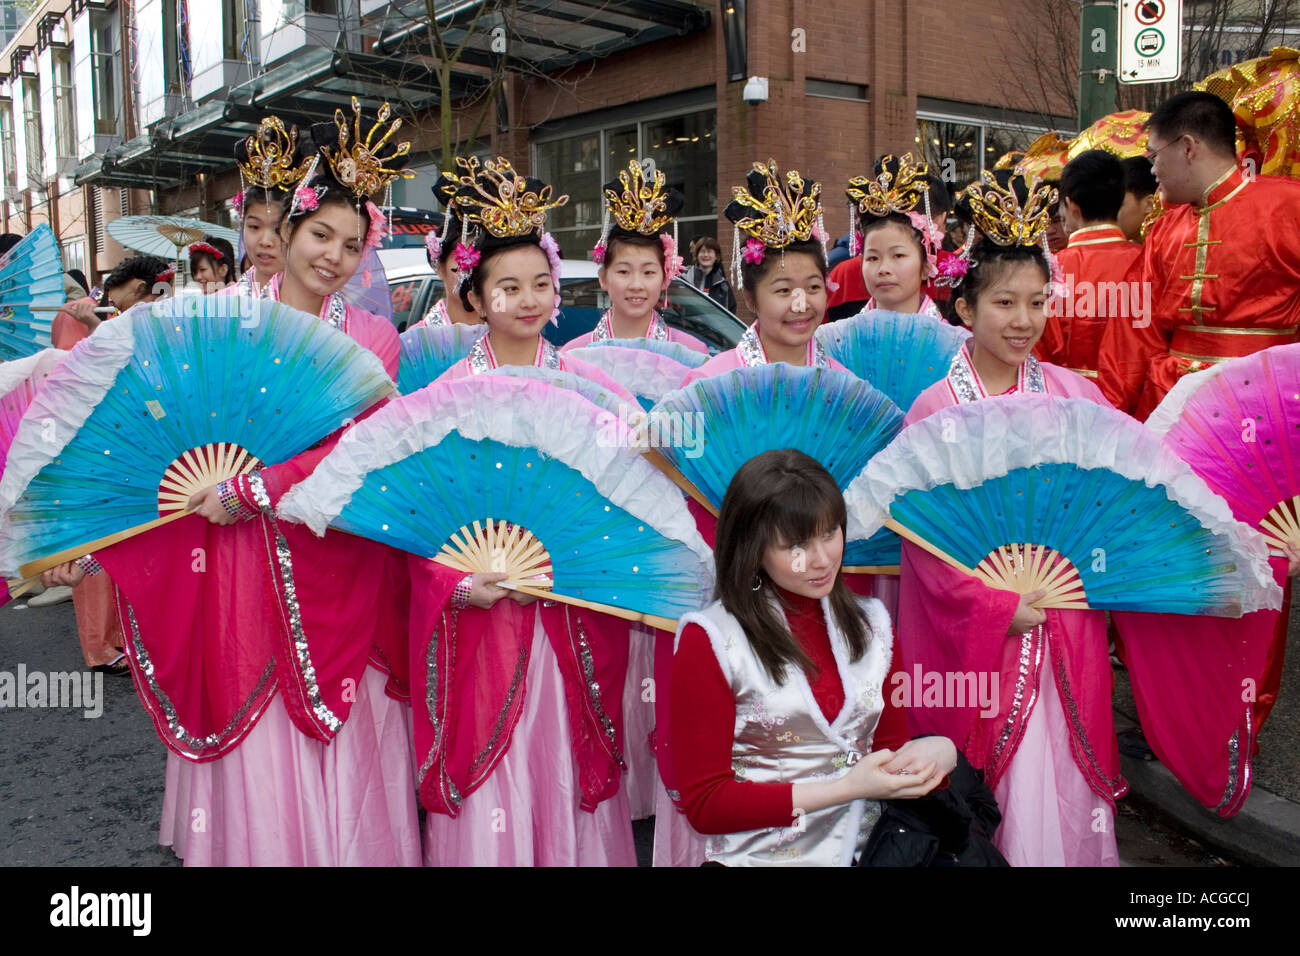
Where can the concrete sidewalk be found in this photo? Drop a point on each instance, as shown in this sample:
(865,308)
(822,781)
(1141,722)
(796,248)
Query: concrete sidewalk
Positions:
(1266,832)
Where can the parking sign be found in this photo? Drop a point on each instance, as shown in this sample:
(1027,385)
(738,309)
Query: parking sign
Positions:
(1150,40)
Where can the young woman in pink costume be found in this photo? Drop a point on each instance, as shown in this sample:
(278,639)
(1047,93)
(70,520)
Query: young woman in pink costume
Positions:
(271,164)
(440,246)
(1049,754)
(529,771)
(637,259)
(264,653)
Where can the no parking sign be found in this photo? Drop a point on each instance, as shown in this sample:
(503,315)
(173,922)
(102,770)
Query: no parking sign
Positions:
(1150,40)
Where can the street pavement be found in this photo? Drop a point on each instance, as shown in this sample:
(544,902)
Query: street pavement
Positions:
(79,791)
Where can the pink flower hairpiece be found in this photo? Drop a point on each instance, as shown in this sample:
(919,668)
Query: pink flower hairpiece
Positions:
(378,226)
(238,204)
(466,258)
(672,261)
(598,254)
(755,251)
(953,269)
(433,245)
(305,197)
(552,250)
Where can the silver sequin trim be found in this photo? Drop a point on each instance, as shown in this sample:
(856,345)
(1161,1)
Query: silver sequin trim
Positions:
(1234,761)
(451,794)
(593,687)
(1115,785)
(966,386)
(319,708)
(750,349)
(437,316)
(478,358)
(550,357)
(604,331)
(335,313)
(521,669)
(1031,646)
(199,746)
(245,287)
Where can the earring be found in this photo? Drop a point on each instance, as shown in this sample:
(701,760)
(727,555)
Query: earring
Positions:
(758,582)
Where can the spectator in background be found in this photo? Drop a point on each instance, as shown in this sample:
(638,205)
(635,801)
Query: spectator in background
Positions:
(212,264)
(708,275)
(138,279)
(8,240)
(1139,196)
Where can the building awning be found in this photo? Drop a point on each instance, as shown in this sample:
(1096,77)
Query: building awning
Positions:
(392,63)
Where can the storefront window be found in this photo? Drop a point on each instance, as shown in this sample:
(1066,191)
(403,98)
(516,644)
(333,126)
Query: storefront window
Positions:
(684,148)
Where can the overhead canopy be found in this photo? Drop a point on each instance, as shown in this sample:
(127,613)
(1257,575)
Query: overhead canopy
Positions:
(392,62)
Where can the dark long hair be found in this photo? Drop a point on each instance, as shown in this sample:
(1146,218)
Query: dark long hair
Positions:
(778,497)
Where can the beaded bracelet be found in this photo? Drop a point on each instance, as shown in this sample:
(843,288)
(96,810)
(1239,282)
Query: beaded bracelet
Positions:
(89,565)
(228,495)
(460,596)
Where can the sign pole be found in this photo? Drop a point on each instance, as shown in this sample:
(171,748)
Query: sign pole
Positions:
(1098,60)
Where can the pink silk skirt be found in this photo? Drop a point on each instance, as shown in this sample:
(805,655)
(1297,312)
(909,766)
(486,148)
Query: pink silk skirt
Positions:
(642,777)
(1050,816)
(284,799)
(527,811)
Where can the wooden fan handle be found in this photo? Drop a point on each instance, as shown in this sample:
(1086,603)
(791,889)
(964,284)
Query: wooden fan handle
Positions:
(655,458)
(893,569)
(81,550)
(920,542)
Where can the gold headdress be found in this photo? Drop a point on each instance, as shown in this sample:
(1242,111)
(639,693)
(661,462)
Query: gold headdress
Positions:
(642,205)
(357,163)
(500,200)
(998,214)
(890,192)
(899,187)
(776,213)
(266,159)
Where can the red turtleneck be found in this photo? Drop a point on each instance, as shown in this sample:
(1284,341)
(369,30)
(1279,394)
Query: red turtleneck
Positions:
(704,719)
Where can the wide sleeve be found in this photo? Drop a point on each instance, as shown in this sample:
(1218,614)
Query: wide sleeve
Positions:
(702,734)
(280,478)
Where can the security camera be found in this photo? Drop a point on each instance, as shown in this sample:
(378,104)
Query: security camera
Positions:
(755,90)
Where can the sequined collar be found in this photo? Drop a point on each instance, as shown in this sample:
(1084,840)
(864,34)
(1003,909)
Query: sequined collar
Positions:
(437,316)
(927,307)
(750,350)
(482,359)
(658,330)
(245,286)
(333,310)
(965,385)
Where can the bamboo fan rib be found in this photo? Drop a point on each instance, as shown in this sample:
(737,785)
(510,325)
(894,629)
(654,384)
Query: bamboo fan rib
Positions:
(200,468)
(1281,526)
(1025,568)
(499,547)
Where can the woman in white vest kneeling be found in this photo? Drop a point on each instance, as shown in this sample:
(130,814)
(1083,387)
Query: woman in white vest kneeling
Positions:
(782,736)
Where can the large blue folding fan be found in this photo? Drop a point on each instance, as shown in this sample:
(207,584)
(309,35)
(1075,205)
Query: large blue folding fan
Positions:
(162,402)
(31,289)
(511,473)
(1068,496)
(704,432)
(900,354)
(429,350)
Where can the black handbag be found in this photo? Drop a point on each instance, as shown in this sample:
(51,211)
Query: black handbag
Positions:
(950,827)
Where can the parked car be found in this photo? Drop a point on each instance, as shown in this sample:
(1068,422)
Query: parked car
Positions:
(416,287)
